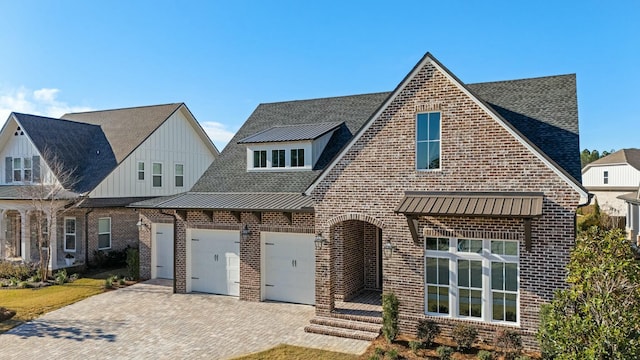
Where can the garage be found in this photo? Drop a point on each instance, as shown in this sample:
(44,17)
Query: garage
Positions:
(215,261)
(289,267)
(162,251)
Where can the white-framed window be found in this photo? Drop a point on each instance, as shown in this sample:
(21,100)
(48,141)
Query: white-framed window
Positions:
(278,158)
(179,175)
(605,177)
(156,174)
(475,279)
(140,170)
(70,234)
(297,157)
(428,141)
(104,233)
(260,159)
(17,169)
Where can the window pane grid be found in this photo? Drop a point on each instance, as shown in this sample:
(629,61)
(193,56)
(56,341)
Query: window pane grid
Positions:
(428,141)
(504,285)
(437,280)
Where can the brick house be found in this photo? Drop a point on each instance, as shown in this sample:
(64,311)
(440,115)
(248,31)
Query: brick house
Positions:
(100,161)
(459,198)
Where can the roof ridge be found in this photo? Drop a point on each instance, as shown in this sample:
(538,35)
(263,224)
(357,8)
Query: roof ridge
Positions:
(56,119)
(522,79)
(325,98)
(123,108)
(240,193)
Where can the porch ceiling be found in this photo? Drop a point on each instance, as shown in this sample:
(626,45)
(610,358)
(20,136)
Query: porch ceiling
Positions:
(496,204)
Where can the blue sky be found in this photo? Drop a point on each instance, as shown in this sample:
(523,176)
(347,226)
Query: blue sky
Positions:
(223,58)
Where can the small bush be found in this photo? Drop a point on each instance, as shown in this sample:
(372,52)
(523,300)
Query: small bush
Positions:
(444,352)
(108,282)
(508,343)
(523,357)
(6,314)
(111,258)
(484,355)
(374,357)
(14,281)
(133,263)
(390,316)
(378,352)
(464,336)
(21,271)
(392,354)
(427,331)
(415,346)
(61,277)
(73,277)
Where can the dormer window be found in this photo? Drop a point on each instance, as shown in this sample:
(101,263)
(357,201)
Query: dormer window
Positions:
(278,158)
(297,157)
(260,159)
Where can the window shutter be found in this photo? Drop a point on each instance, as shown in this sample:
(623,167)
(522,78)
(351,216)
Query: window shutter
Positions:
(35,168)
(8,169)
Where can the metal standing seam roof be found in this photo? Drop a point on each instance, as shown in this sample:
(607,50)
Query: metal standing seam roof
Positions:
(232,202)
(471,204)
(291,133)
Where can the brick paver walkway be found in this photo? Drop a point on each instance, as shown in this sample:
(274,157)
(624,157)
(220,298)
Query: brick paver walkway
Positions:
(147,321)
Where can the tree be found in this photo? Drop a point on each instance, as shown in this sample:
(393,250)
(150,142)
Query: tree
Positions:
(598,315)
(49,198)
(587,156)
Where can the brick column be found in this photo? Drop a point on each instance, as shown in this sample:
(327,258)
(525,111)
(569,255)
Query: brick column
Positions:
(325,274)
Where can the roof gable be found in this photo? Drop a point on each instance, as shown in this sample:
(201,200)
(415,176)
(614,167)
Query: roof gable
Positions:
(624,156)
(126,129)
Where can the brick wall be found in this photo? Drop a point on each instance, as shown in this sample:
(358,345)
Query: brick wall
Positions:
(124,231)
(477,154)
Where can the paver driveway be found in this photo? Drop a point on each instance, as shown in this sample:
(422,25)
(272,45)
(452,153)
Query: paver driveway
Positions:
(147,321)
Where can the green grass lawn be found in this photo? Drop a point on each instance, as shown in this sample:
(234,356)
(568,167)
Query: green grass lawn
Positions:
(288,352)
(31,303)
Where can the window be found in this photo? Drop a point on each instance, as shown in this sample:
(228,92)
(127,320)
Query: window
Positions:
(179,175)
(70,234)
(606,177)
(27,170)
(260,159)
(17,169)
(472,279)
(297,157)
(156,169)
(428,141)
(140,170)
(104,233)
(277,158)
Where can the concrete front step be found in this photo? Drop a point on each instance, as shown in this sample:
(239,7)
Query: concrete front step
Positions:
(347,324)
(341,332)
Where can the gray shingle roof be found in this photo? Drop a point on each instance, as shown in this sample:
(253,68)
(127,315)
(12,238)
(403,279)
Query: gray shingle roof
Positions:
(624,156)
(126,128)
(229,174)
(29,191)
(544,110)
(81,149)
(632,197)
(232,202)
(291,133)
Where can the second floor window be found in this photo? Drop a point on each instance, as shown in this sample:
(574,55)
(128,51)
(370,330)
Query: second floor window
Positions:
(605,177)
(157,174)
(21,169)
(428,141)
(140,170)
(277,158)
(297,157)
(260,159)
(179,174)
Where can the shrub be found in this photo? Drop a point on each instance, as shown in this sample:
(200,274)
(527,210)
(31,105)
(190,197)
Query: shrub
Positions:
(108,282)
(464,336)
(484,355)
(427,331)
(415,346)
(374,357)
(133,263)
(378,352)
(18,270)
(523,357)
(508,343)
(390,316)
(6,314)
(61,277)
(444,352)
(392,354)
(111,258)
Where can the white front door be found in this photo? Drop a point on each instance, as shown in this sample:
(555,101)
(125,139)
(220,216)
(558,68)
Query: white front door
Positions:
(289,267)
(215,261)
(162,249)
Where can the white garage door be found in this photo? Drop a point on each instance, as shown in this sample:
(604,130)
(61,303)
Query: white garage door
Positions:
(162,247)
(289,267)
(215,261)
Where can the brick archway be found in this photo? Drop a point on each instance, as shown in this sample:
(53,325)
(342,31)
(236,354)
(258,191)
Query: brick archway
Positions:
(355,216)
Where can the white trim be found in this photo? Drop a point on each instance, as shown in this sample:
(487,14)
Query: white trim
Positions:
(584,196)
(99,233)
(75,234)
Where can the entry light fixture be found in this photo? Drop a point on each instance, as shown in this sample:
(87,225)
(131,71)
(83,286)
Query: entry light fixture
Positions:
(319,241)
(245,233)
(141,225)
(388,249)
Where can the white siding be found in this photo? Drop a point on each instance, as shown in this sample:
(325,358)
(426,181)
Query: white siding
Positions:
(287,147)
(622,175)
(174,142)
(20,146)
(319,145)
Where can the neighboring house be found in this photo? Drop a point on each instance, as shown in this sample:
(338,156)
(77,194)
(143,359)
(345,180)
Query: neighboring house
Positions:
(632,202)
(113,157)
(612,176)
(458,198)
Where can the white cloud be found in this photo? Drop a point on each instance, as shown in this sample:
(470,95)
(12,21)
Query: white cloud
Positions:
(218,133)
(39,102)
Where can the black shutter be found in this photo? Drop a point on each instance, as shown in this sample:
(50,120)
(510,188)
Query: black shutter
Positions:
(35,168)
(8,169)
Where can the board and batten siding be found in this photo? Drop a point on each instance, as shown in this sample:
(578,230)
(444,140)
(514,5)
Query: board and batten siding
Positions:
(21,146)
(174,142)
(622,175)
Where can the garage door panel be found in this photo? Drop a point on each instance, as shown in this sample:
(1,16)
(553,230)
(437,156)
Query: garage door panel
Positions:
(289,267)
(215,263)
